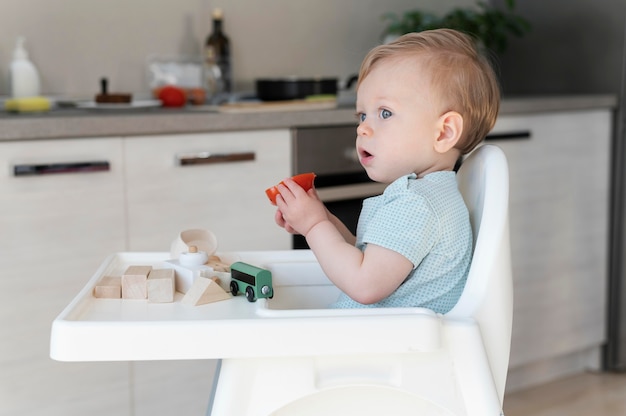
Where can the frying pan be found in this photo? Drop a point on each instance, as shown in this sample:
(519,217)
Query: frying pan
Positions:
(276,89)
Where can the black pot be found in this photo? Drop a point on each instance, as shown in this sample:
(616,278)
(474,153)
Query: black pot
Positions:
(277,89)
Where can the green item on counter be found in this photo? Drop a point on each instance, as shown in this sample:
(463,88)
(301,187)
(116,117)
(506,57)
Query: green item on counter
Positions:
(321,97)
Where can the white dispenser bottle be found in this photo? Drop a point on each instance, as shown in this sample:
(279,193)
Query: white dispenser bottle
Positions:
(23,76)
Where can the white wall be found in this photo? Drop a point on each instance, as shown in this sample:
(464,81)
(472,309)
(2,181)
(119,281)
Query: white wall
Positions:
(76,42)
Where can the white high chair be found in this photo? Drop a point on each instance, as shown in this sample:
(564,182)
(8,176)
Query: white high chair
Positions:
(414,362)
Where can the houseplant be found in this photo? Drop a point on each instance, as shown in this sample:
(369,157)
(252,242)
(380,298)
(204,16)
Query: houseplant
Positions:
(490,26)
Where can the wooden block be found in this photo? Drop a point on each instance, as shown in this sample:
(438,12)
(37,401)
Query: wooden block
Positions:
(109,287)
(204,291)
(216,263)
(134,282)
(219,267)
(160,285)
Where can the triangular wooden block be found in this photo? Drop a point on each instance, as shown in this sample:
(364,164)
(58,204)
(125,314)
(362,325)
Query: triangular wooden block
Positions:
(204,291)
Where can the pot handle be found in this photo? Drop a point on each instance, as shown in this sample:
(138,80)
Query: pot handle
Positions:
(352,79)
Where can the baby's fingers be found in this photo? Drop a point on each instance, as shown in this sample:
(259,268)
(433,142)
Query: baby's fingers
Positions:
(279,219)
(293,187)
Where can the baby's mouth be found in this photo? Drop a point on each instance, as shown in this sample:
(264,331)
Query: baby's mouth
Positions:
(364,155)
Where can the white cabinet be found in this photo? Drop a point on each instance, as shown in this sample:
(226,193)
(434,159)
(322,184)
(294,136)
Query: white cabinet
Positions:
(222,188)
(55,230)
(559,205)
(172,387)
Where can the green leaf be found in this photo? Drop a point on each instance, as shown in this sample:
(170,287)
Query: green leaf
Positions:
(491,26)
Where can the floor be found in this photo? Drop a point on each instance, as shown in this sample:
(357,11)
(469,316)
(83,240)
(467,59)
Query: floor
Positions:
(582,394)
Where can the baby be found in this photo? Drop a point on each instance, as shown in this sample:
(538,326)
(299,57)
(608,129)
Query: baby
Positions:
(423,101)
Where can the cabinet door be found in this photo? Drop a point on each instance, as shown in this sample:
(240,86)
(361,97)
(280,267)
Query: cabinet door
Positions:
(172,387)
(216,190)
(55,230)
(559,204)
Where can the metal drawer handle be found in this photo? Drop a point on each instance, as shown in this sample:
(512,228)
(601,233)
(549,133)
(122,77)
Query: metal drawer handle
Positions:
(512,135)
(203,158)
(65,167)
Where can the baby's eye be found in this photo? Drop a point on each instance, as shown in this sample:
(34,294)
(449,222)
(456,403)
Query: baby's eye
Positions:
(360,117)
(385,114)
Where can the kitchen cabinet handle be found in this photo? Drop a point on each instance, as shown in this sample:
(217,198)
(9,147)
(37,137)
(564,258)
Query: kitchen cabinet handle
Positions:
(204,158)
(512,135)
(64,167)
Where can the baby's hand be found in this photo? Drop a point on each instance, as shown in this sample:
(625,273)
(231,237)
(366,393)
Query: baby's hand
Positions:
(300,210)
(305,180)
(278,217)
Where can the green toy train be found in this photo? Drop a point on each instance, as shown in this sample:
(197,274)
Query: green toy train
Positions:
(255,282)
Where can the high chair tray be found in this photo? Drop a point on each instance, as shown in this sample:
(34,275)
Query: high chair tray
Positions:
(295,322)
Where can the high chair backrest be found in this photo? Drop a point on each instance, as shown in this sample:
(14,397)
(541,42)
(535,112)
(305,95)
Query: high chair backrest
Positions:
(488,295)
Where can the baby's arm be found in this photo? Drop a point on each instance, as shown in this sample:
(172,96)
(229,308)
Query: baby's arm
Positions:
(366,277)
(343,230)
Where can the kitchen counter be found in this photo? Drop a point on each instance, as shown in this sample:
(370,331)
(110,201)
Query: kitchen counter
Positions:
(89,123)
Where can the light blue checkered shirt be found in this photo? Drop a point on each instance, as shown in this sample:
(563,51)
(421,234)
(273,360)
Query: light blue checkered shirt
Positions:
(426,221)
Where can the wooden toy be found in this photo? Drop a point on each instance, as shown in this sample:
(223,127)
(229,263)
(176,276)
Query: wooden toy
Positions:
(204,291)
(253,281)
(193,257)
(186,275)
(216,263)
(204,240)
(109,287)
(134,282)
(160,285)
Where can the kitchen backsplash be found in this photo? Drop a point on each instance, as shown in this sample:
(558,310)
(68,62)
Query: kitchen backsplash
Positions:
(74,43)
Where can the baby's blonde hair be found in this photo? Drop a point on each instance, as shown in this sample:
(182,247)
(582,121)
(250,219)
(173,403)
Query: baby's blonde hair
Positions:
(460,74)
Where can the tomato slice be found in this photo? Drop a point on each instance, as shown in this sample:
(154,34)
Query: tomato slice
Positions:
(305,180)
(272,193)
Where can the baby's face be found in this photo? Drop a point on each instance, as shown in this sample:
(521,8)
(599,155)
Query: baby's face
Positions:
(399,120)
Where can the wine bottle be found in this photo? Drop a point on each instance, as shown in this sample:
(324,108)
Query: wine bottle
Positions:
(217,57)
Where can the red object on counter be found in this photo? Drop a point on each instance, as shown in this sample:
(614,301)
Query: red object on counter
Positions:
(305,180)
(172,96)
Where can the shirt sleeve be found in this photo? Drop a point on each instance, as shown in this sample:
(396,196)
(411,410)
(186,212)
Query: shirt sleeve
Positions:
(405,224)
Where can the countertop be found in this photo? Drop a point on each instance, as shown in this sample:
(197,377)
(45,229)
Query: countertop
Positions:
(88,123)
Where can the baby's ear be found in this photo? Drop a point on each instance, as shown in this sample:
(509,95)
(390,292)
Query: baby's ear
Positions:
(451,128)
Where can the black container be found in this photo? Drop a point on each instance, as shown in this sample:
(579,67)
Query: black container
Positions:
(277,89)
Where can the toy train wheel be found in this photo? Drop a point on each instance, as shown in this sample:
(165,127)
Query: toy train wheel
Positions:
(234,288)
(250,294)
(267,291)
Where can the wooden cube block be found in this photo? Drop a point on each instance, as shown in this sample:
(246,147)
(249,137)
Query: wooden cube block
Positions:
(204,291)
(134,282)
(160,285)
(109,287)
